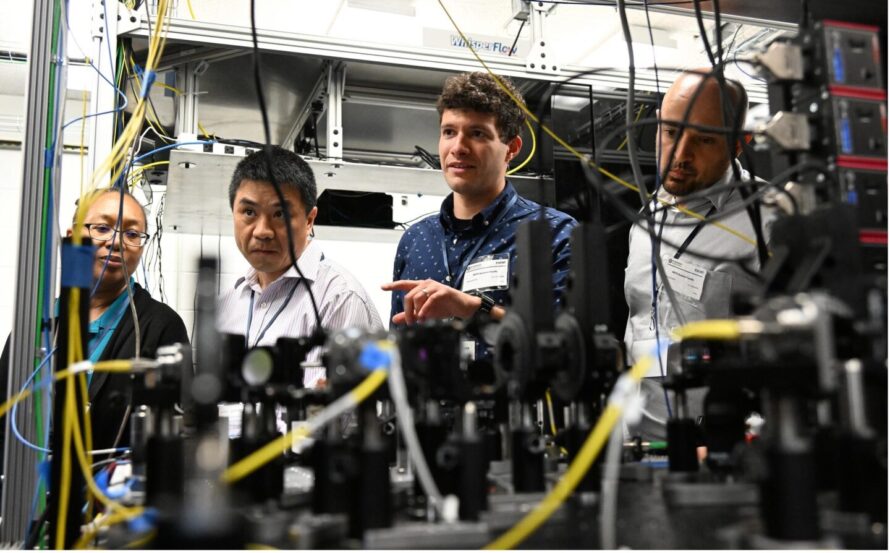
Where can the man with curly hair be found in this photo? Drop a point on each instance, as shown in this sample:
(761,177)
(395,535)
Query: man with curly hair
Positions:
(462,260)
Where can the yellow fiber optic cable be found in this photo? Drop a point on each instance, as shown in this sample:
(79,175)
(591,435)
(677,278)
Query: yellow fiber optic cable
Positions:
(714,329)
(637,118)
(573,475)
(276,447)
(531,132)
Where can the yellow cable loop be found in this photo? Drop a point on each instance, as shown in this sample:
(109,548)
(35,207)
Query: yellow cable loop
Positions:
(531,132)
(715,329)
(568,146)
(191,11)
(276,447)
(573,475)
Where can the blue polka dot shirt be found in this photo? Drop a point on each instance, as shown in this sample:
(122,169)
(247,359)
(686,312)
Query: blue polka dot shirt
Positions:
(419,255)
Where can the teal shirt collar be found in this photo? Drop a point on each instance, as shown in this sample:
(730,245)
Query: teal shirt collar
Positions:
(102,328)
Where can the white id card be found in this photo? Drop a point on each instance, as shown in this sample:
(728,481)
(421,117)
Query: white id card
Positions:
(487,273)
(468,350)
(686,278)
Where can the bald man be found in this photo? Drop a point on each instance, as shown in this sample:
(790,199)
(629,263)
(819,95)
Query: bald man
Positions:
(696,173)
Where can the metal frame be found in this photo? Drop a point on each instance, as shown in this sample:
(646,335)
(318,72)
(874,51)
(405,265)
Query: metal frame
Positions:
(335,89)
(297,127)
(20,476)
(214,34)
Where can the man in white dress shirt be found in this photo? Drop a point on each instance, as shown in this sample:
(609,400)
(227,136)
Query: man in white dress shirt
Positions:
(270,301)
(696,176)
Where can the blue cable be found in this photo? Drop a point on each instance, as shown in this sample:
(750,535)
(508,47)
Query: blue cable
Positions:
(170,146)
(13,424)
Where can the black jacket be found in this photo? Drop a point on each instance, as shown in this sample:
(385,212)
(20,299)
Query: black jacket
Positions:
(110,393)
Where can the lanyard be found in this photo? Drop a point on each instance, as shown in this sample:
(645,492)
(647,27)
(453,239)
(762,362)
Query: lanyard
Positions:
(275,316)
(460,275)
(95,351)
(685,245)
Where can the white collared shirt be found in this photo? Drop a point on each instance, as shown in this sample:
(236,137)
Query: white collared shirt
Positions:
(722,279)
(341,299)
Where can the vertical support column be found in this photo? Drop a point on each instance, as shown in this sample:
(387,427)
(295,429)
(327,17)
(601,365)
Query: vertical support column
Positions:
(20,462)
(188,78)
(336,87)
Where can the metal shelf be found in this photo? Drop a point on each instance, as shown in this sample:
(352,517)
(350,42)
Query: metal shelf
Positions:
(198,182)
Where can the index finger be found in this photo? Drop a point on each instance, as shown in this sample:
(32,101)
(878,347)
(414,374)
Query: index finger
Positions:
(401,285)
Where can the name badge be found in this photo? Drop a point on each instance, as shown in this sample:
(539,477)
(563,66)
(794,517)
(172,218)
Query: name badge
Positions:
(685,278)
(468,350)
(490,272)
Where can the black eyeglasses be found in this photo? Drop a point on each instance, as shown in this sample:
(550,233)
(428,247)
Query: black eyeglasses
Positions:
(102,232)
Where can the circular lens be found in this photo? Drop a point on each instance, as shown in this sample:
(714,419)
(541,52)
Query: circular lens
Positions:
(256,369)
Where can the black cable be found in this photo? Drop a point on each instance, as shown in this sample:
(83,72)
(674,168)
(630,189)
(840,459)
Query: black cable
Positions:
(516,40)
(641,188)
(159,234)
(409,221)
(703,32)
(427,157)
(241,142)
(267,148)
(588,190)
(734,114)
(652,43)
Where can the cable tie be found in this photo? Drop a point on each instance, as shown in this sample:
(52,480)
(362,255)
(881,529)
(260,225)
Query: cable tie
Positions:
(147,83)
(82,366)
